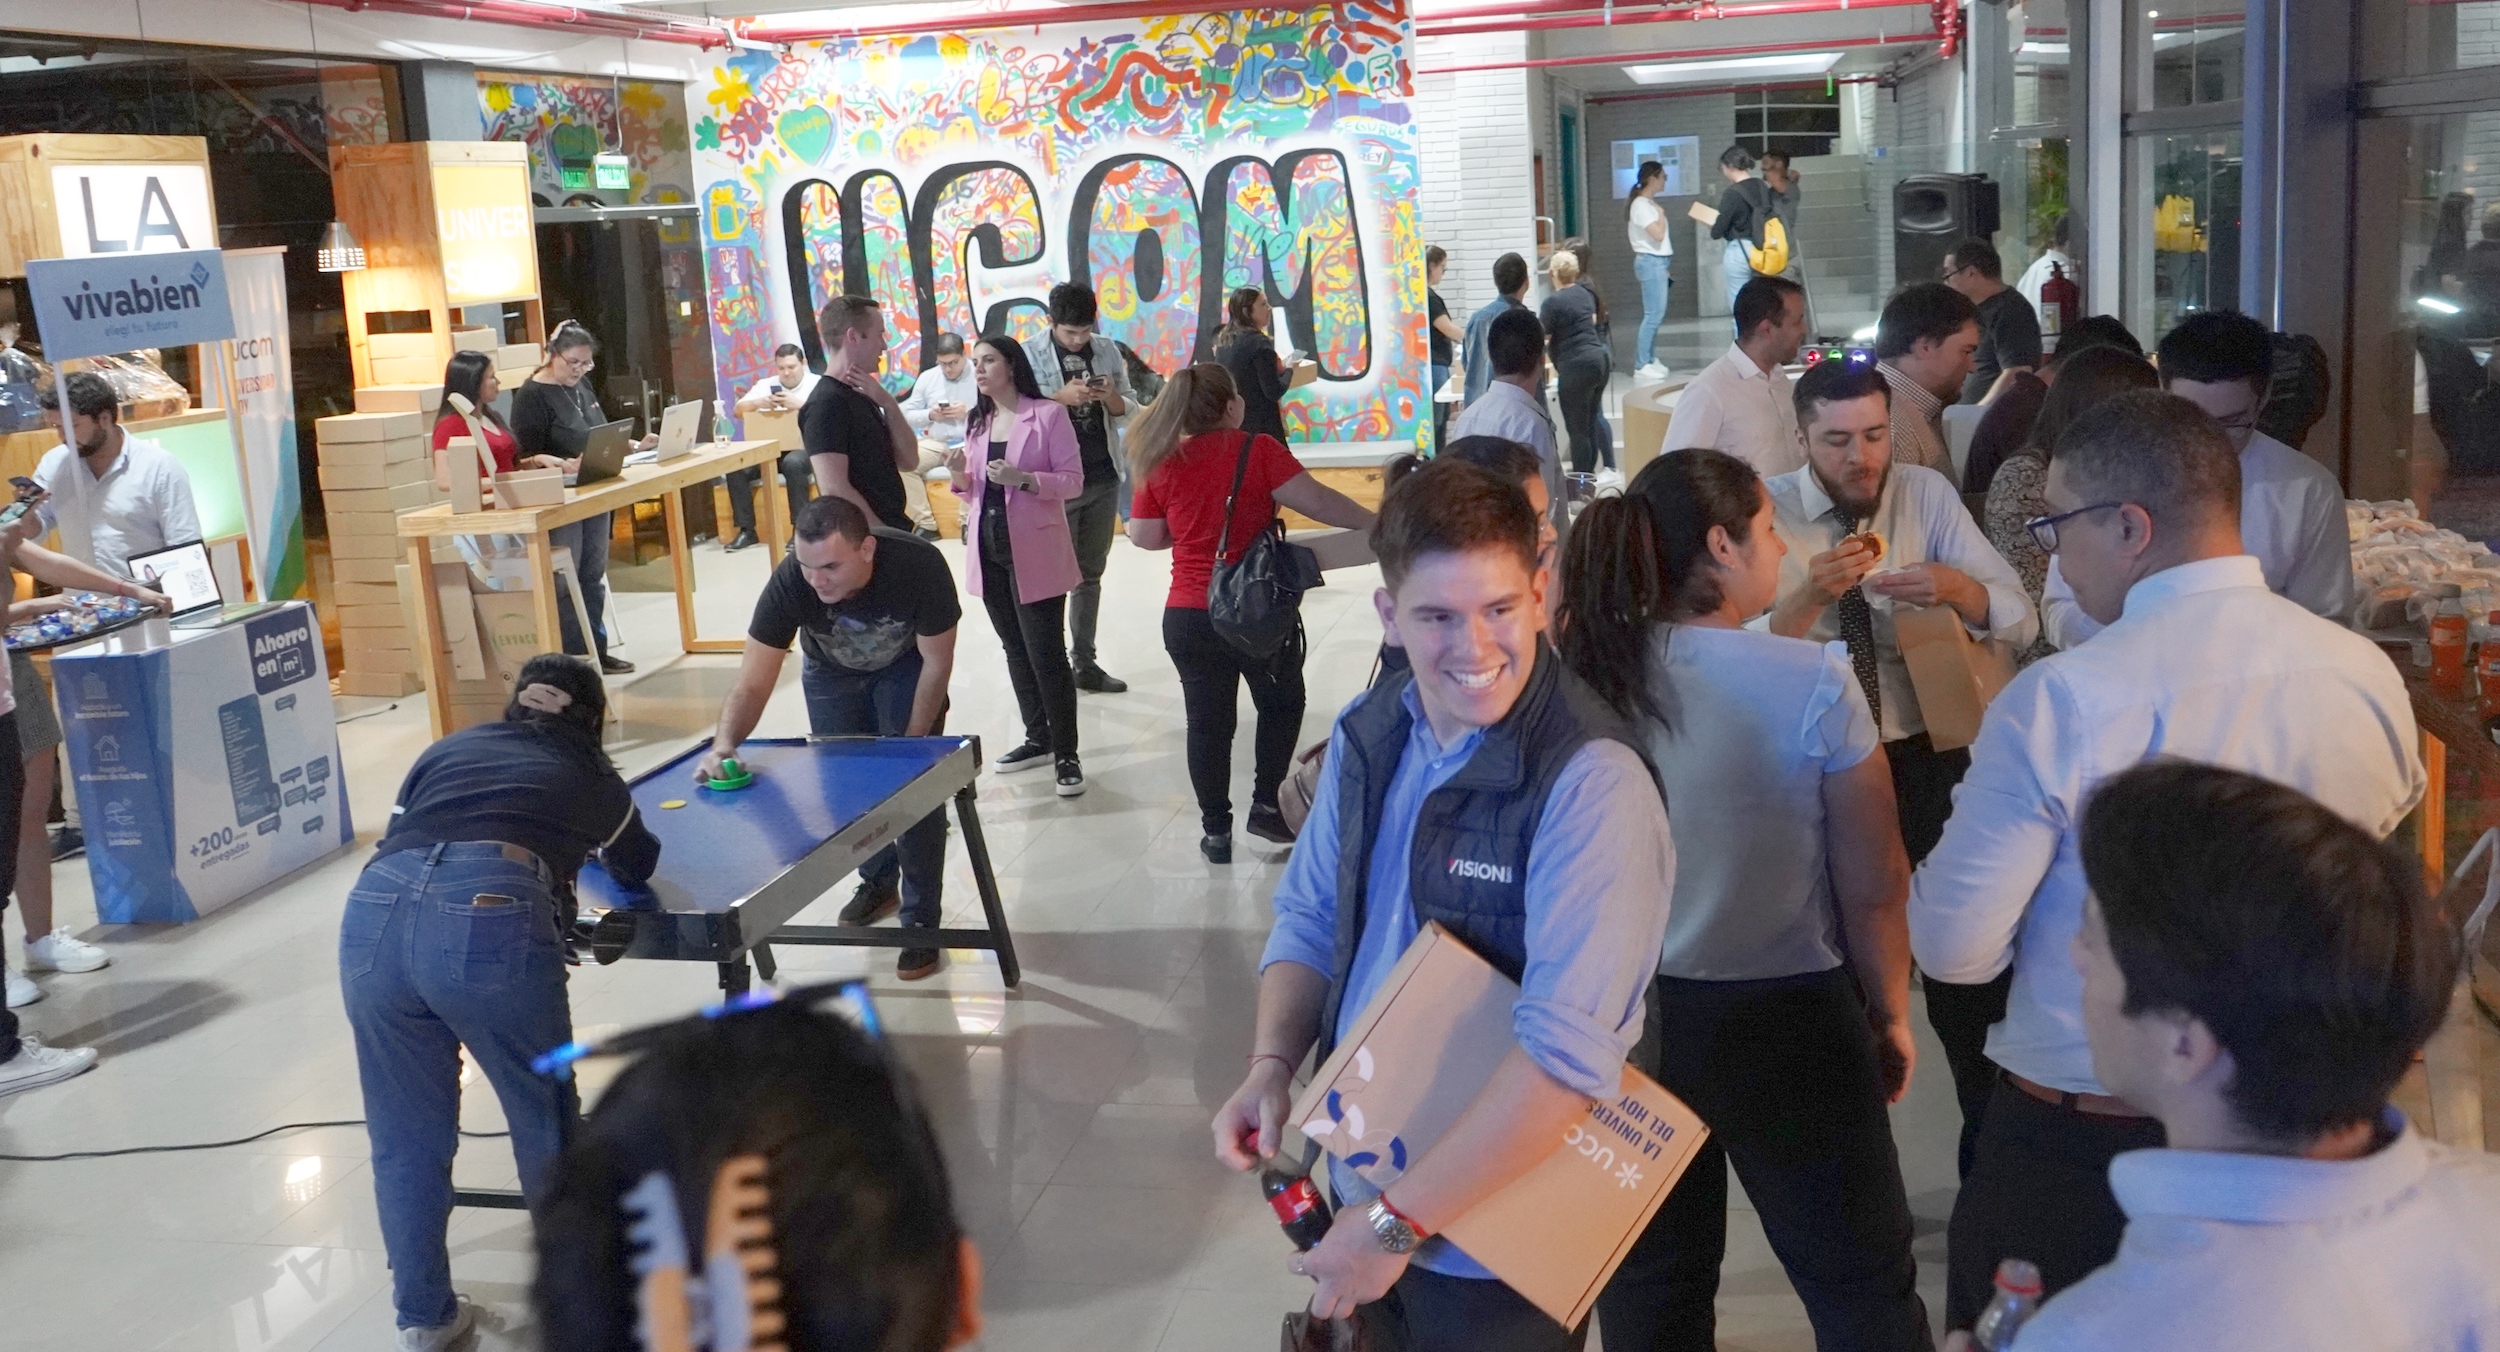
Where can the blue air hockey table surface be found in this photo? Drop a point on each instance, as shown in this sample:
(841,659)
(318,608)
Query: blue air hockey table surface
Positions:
(735,866)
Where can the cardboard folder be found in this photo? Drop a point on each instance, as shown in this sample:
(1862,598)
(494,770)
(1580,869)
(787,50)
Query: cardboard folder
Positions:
(1423,1049)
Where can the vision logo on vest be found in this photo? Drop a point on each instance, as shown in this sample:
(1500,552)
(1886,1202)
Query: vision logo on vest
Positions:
(1480,870)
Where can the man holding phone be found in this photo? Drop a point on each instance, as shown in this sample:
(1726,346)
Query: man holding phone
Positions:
(936,408)
(1084,372)
(781,392)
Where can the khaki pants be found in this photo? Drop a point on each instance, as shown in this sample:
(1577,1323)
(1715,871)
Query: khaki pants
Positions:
(916,486)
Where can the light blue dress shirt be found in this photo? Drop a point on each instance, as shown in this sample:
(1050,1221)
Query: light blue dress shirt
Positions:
(1599,874)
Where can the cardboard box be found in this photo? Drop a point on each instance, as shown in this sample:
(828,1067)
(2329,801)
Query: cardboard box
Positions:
(367,594)
(406,370)
(1303,373)
(1954,675)
(527,356)
(402,346)
(369,525)
(530,488)
(374,501)
(380,685)
(508,626)
(378,547)
(419,398)
(356,476)
(381,659)
(1420,1054)
(346,427)
(406,451)
(377,571)
(484,340)
(1336,548)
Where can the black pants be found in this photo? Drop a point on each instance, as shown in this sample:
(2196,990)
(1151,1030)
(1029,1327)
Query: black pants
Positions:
(797,476)
(12,789)
(2039,1189)
(1037,658)
(1427,1312)
(1582,391)
(1784,1072)
(1212,672)
(1922,789)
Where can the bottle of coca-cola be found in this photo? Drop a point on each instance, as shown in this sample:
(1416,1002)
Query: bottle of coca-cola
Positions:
(2016,1300)
(1298,1205)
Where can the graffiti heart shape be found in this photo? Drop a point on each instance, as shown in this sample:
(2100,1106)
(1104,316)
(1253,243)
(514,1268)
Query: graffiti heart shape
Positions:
(806,132)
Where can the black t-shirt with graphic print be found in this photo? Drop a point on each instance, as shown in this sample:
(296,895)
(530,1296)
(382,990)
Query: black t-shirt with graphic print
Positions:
(1093,434)
(910,596)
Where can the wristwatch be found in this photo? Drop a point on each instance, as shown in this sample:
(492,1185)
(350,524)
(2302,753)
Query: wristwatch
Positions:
(1396,1233)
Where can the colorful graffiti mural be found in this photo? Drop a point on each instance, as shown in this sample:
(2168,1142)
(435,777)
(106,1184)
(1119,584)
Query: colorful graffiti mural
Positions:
(956,178)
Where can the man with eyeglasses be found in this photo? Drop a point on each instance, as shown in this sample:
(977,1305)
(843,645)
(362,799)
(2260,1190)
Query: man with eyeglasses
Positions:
(2009,329)
(874,610)
(2291,507)
(2199,661)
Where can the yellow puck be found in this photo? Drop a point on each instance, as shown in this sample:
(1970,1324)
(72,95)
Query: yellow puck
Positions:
(674,803)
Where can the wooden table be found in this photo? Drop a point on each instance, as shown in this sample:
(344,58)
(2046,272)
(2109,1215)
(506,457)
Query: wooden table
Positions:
(2451,726)
(638,483)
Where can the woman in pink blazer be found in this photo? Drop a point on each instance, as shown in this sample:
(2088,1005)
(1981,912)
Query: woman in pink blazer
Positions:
(1016,471)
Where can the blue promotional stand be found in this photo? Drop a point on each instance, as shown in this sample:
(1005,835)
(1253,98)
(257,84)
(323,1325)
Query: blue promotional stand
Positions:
(206,761)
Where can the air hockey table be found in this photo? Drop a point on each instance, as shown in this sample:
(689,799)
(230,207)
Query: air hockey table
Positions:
(736,866)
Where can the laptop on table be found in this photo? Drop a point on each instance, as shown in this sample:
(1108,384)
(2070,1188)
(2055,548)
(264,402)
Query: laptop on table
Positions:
(186,577)
(603,453)
(677,429)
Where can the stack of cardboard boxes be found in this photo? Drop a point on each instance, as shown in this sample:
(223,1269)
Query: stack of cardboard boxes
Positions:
(487,635)
(374,464)
(514,362)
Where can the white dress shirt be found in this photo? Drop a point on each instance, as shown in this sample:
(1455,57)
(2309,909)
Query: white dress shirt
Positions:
(1505,410)
(2206,665)
(2398,1251)
(2291,518)
(807,386)
(142,504)
(933,389)
(1737,407)
(1922,520)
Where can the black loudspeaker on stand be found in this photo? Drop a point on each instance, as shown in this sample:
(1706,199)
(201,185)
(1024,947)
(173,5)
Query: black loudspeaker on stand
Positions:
(1930,213)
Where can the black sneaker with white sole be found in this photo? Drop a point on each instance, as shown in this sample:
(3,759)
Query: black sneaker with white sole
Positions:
(1071,777)
(1030,756)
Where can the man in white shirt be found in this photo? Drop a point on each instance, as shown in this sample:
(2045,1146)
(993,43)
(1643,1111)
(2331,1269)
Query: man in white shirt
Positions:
(2207,665)
(942,398)
(2037,275)
(1743,403)
(2291,507)
(781,392)
(1513,405)
(1653,255)
(1865,536)
(124,495)
(2257,974)
(1926,341)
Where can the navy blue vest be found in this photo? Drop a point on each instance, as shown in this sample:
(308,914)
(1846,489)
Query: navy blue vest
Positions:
(1469,869)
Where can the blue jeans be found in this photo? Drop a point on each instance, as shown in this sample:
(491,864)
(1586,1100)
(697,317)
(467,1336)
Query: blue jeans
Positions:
(588,539)
(1739,267)
(846,703)
(1655,284)
(441,948)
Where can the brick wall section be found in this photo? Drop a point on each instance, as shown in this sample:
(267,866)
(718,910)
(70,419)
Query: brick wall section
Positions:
(1477,198)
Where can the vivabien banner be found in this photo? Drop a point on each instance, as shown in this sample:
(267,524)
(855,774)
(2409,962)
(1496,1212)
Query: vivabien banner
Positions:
(955,178)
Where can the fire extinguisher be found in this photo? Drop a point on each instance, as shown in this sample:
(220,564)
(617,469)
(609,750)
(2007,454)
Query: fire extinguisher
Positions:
(2060,299)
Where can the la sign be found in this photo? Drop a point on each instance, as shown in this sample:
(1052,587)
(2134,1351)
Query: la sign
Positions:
(132,208)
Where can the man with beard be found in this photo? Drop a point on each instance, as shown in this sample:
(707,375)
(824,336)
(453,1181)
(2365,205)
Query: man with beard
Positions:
(1866,535)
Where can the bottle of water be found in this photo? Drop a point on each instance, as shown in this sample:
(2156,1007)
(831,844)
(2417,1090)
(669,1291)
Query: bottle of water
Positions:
(2017,1299)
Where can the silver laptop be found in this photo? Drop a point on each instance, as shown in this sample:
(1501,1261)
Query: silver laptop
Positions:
(677,429)
(188,578)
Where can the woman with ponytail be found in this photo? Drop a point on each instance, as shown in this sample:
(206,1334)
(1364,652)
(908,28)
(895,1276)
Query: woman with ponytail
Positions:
(1780,1012)
(454,937)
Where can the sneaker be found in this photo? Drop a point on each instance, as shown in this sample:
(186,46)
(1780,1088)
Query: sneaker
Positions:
(1030,756)
(928,533)
(440,1336)
(1269,824)
(37,1065)
(1100,682)
(917,964)
(1217,848)
(22,992)
(746,540)
(60,951)
(1653,371)
(872,903)
(614,666)
(1071,777)
(68,842)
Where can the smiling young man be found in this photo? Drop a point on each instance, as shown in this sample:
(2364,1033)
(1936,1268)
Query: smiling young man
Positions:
(2257,974)
(2291,507)
(2206,664)
(1489,753)
(874,611)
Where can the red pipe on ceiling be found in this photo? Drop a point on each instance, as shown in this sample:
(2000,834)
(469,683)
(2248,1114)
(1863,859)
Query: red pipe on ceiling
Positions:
(1578,14)
(549,18)
(1686,54)
(1428,24)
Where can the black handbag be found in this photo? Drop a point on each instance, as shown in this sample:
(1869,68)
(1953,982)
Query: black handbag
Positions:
(1254,601)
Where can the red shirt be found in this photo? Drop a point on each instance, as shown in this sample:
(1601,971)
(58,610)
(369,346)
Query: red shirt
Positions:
(498,438)
(1187,492)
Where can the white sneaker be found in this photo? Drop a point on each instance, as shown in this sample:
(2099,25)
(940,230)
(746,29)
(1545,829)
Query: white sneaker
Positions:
(36,1065)
(61,951)
(1652,371)
(442,1335)
(22,992)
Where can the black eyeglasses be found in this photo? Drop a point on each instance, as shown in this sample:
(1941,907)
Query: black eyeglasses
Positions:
(2044,528)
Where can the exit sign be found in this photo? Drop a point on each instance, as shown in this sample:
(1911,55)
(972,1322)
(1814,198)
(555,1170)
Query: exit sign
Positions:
(615,172)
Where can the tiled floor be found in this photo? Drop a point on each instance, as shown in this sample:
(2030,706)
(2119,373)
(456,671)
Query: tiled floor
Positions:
(1074,1110)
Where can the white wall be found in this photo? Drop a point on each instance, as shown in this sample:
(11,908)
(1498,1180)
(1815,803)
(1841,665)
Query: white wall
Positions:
(1478,197)
(273,25)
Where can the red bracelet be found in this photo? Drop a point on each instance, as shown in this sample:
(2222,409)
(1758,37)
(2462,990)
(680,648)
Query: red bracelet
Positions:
(1392,1209)
(1256,1057)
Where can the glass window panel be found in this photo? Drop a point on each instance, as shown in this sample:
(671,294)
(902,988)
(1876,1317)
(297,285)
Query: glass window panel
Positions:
(2412,37)
(2184,228)
(2040,64)
(2186,52)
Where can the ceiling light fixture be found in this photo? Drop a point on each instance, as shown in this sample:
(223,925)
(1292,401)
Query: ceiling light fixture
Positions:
(1742,67)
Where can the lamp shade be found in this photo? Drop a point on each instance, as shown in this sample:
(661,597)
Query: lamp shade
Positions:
(340,251)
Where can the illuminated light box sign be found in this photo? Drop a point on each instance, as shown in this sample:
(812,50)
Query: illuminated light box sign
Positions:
(490,245)
(132,208)
(117,302)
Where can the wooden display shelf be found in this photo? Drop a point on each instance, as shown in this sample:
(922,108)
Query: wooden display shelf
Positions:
(388,194)
(30,220)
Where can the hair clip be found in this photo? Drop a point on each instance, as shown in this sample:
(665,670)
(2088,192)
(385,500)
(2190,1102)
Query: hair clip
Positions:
(739,1261)
(664,1296)
(545,698)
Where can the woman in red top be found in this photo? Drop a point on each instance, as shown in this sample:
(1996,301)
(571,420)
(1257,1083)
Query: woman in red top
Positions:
(471,375)
(1182,456)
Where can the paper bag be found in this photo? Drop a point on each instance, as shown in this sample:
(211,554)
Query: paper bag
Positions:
(1953,674)
(1703,212)
(1423,1049)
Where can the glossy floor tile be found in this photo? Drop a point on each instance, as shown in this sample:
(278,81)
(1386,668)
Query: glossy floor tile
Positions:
(1073,1111)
